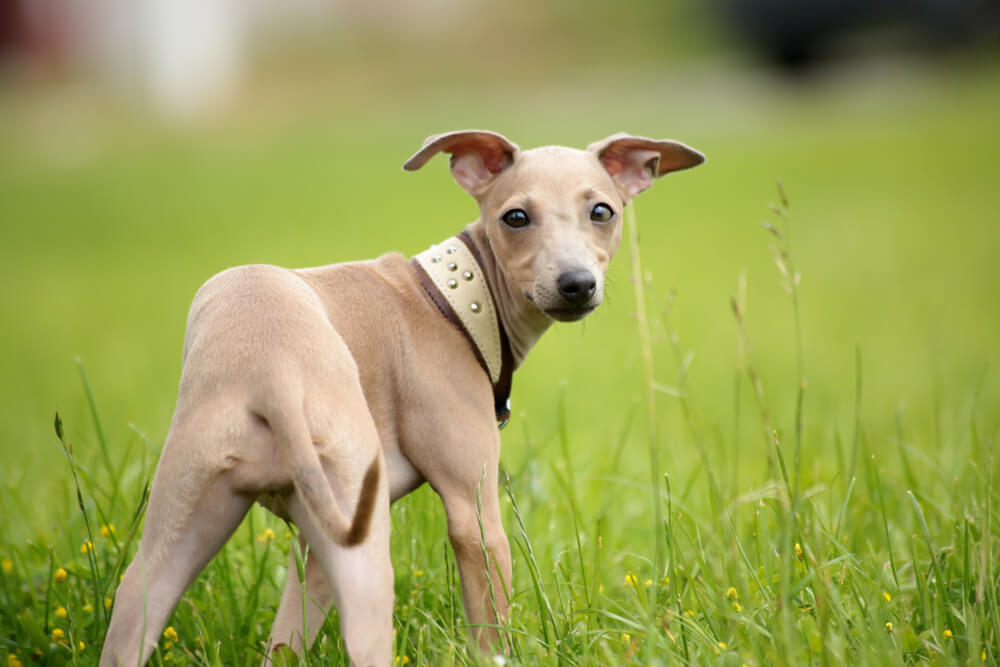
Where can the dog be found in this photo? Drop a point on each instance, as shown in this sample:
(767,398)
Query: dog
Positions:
(325,394)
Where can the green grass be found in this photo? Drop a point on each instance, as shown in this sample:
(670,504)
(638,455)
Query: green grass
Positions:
(756,519)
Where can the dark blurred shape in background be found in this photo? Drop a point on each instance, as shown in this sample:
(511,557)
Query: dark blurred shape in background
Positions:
(35,34)
(796,34)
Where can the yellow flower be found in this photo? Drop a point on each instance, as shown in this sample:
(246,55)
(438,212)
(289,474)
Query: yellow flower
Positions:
(888,626)
(798,551)
(87,547)
(732,594)
(947,634)
(170,634)
(82,645)
(631,580)
(107,602)
(689,613)
(722,645)
(107,530)
(60,575)
(61,612)
(12,661)
(168,657)
(402,659)
(8,567)
(167,645)
(888,598)
(737,607)
(649,582)
(983,656)
(266,536)
(626,637)
(57,634)
(418,573)
(88,608)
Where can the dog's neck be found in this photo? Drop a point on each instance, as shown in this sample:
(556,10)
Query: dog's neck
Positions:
(523,321)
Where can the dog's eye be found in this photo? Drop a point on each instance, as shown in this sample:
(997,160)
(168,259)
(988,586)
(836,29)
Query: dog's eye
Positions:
(601,213)
(516,218)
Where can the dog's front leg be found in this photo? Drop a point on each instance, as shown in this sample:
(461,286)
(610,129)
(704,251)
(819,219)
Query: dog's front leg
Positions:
(481,551)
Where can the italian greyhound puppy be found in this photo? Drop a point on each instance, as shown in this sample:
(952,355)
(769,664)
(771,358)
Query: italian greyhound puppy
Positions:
(326,394)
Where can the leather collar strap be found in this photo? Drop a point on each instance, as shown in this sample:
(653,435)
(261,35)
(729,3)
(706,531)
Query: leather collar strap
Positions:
(451,273)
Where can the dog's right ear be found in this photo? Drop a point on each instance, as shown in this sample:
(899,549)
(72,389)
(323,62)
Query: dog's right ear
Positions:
(477,156)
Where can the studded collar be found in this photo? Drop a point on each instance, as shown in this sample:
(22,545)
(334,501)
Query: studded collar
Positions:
(451,273)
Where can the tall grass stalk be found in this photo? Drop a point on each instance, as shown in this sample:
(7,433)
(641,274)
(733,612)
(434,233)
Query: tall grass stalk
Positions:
(89,552)
(646,347)
(791,279)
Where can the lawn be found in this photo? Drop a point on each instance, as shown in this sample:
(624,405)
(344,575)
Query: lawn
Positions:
(817,485)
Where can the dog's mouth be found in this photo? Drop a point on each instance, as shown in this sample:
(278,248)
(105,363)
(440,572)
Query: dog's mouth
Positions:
(569,314)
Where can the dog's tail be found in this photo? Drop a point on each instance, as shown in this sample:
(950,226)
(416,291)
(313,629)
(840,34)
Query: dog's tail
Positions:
(314,489)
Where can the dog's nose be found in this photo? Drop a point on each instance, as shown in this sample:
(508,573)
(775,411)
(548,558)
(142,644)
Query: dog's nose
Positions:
(576,286)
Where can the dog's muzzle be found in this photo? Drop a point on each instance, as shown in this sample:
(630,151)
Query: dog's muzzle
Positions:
(576,289)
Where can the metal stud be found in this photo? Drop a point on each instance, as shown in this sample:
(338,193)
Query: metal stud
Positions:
(451,250)
(474,306)
(453,267)
(467,275)
(453,283)
(436,258)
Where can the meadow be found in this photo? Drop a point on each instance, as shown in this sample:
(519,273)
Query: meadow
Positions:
(773,444)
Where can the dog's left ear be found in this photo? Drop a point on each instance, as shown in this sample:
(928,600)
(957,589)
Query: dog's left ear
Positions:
(634,162)
(477,156)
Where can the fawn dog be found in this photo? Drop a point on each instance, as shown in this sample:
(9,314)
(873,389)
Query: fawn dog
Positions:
(325,394)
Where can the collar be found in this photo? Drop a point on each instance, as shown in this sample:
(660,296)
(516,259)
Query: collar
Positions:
(451,273)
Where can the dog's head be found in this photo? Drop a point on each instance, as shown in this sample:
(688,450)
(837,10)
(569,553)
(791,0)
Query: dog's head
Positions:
(553,215)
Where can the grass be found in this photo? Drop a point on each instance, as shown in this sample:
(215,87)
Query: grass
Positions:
(758,470)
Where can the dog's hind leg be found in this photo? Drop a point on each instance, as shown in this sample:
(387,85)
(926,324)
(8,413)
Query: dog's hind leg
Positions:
(317,596)
(193,509)
(361,581)
(358,578)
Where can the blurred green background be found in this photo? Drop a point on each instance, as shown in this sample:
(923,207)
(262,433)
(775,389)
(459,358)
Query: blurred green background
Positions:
(114,209)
